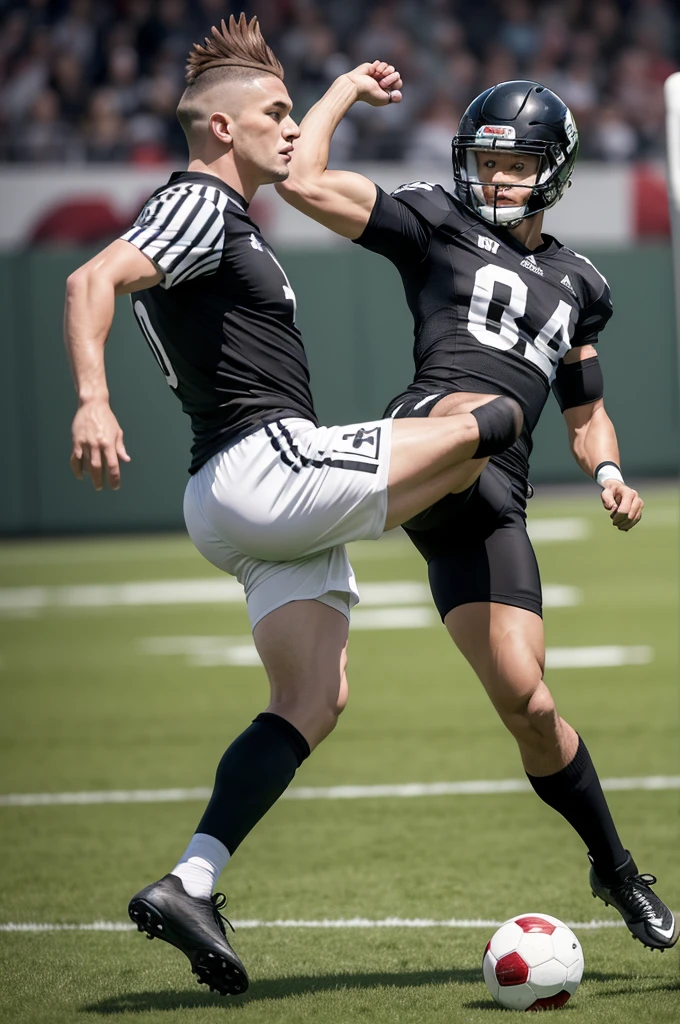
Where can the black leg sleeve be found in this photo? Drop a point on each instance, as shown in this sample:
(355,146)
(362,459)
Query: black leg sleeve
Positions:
(575,793)
(253,773)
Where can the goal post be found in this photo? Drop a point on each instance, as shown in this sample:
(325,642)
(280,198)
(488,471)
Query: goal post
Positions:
(672,97)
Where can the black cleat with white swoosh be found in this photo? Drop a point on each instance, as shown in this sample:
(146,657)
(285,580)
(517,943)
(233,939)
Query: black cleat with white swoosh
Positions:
(164,910)
(645,915)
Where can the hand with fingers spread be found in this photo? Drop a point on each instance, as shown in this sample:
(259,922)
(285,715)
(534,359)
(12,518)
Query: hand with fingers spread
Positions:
(623,504)
(98,446)
(378,83)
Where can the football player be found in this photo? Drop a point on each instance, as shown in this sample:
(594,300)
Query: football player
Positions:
(272,496)
(499,307)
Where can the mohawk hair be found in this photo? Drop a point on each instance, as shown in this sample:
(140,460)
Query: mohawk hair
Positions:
(237,45)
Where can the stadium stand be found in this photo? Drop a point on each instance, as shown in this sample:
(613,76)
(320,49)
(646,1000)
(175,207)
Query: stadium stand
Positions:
(97,82)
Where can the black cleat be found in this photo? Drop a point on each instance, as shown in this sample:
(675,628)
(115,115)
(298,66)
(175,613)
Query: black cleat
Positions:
(645,915)
(164,910)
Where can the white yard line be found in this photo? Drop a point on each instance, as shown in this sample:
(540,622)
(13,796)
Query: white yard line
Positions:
(479,787)
(351,922)
(597,657)
(556,531)
(221,590)
(239,651)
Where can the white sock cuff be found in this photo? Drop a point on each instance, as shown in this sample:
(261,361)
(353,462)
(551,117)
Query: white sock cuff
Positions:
(209,850)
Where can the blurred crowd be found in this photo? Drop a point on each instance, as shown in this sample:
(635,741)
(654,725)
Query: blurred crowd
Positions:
(98,80)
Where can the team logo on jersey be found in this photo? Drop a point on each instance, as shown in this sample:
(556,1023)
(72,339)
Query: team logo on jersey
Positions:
(487,243)
(413,186)
(255,243)
(568,285)
(530,264)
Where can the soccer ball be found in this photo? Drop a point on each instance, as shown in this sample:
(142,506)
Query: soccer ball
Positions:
(533,962)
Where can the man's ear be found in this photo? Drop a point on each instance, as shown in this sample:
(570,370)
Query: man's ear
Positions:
(220,126)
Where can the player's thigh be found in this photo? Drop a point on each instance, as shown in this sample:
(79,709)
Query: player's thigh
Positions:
(431,456)
(505,646)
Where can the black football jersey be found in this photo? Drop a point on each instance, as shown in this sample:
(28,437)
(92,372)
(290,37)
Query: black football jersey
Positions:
(221,323)
(490,315)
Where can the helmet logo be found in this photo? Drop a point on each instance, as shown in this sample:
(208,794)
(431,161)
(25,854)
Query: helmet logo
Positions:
(570,131)
(495,131)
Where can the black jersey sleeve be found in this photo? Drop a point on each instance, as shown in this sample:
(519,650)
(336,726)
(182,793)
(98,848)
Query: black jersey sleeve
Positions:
(395,231)
(182,230)
(592,319)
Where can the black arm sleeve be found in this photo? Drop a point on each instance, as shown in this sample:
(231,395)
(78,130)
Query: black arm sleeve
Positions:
(578,383)
(395,231)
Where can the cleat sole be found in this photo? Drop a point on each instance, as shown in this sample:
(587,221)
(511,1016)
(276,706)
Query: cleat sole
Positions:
(218,973)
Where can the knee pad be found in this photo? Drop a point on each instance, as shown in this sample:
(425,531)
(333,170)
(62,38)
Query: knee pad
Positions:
(500,424)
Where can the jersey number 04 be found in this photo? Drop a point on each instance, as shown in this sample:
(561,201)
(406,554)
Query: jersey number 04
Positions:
(499,299)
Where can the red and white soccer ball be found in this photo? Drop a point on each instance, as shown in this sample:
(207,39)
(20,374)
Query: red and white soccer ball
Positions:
(533,962)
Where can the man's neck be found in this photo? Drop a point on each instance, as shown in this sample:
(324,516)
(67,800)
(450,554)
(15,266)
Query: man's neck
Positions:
(528,231)
(226,171)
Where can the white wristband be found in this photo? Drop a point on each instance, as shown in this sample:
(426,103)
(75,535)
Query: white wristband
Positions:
(607,471)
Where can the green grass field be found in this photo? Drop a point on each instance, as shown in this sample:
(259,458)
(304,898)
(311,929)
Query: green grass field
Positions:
(86,709)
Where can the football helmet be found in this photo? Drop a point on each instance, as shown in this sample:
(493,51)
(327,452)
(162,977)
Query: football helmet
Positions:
(521,117)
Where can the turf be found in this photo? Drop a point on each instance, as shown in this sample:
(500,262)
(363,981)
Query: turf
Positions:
(83,709)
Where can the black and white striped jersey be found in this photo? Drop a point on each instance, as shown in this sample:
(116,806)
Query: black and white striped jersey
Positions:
(221,323)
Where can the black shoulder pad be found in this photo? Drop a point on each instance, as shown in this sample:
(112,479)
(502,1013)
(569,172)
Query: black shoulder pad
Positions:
(430,201)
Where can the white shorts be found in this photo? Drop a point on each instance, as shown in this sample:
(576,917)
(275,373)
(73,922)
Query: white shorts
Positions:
(276,508)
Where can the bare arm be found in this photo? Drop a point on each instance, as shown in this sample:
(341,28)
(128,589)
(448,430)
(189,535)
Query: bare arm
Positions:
(340,200)
(592,439)
(88,314)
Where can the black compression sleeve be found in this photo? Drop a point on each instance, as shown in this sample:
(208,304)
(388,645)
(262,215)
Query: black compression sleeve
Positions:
(578,383)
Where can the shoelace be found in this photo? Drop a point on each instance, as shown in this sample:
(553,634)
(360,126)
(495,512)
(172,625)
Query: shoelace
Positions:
(219,900)
(639,898)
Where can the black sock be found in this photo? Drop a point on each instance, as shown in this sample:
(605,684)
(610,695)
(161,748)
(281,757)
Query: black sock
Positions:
(253,773)
(575,793)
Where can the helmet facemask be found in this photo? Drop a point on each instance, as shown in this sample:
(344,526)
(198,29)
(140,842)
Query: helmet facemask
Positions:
(555,164)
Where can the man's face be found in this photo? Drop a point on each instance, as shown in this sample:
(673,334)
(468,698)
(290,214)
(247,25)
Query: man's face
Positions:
(263,131)
(516,172)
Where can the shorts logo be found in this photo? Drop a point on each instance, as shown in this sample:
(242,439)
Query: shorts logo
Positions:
(297,460)
(369,437)
(530,264)
(487,243)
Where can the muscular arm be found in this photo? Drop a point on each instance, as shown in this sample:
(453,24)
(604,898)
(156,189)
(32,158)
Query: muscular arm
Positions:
(592,439)
(88,314)
(340,200)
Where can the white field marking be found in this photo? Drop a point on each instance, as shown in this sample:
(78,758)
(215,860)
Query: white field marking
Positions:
(481,787)
(239,651)
(597,657)
(224,590)
(350,922)
(555,595)
(555,531)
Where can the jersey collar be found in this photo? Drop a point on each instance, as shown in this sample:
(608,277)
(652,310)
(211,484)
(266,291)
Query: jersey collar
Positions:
(548,246)
(209,179)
